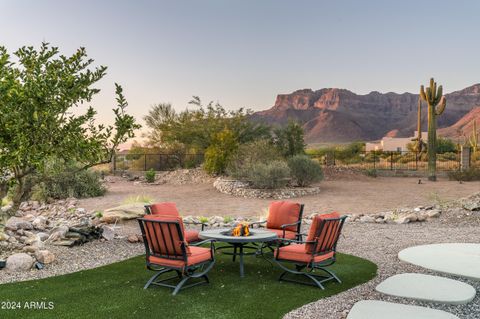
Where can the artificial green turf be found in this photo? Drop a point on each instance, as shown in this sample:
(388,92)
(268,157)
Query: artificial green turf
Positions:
(116,291)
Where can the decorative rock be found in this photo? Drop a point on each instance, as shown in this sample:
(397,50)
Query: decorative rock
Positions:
(132,239)
(19,262)
(402,220)
(14,223)
(434,213)
(374,309)
(367,219)
(58,233)
(40,223)
(123,212)
(427,288)
(45,256)
(455,258)
(108,232)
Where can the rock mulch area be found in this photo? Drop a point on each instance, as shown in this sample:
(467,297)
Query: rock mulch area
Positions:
(243,189)
(29,236)
(381,243)
(174,177)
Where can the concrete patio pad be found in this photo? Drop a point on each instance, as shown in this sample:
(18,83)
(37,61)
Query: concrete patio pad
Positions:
(453,258)
(427,288)
(375,309)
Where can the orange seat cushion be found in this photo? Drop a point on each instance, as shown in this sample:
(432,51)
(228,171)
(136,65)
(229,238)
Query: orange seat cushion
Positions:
(288,234)
(164,208)
(197,255)
(191,236)
(297,252)
(283,212)
(326,232)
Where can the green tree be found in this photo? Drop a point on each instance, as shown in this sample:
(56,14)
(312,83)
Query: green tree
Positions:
(196,129)
(289,139)
(38,93)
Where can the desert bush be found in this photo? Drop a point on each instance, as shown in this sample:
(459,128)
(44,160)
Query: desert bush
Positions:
(449,156)
(370,172)
(63,180)
(247,155)
(275,174)
(289,139)
(304,170)
(472,174)
(150,176)
(219,152)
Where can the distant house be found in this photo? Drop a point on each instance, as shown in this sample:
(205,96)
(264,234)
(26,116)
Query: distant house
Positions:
(393,144)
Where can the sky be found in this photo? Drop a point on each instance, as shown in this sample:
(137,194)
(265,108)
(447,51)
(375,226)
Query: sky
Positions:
(244,53)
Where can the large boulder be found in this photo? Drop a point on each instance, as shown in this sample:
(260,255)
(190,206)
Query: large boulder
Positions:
(58,233)
(123,212)
(45,256)
(19,262)
(15,223)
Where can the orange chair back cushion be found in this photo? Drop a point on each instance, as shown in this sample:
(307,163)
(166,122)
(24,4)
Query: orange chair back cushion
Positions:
(165,209)
(328,236)
(164,238)
(281,213)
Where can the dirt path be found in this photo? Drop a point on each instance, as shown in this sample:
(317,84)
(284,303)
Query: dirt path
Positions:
(366,195)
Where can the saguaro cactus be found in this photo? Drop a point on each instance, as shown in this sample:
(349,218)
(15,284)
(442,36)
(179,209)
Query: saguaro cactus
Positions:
(474,137)
(436,105)
(419,143)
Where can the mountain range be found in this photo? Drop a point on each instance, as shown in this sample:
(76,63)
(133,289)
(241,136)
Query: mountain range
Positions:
(338,115)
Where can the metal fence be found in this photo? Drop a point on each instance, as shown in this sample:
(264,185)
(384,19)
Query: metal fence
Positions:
(157,162)
(379,160)
(408,161)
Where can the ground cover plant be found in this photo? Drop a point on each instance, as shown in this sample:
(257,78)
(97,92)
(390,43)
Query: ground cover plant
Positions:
(116,290)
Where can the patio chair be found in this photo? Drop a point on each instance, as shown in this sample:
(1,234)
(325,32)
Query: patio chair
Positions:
(170,209)
(285,219)
(316,253)
(167,251)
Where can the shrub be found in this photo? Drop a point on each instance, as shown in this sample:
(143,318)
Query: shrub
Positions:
(64,180)
(304,170)
(371,172)
(247,155)
(219,152)
(472,174)
(275,174)
(150,176)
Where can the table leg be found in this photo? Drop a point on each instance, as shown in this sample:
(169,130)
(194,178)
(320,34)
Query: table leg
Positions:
(242,273)
(234,252)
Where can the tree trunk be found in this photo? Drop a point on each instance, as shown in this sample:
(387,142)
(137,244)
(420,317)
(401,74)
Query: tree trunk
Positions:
(432,142)
(22,192)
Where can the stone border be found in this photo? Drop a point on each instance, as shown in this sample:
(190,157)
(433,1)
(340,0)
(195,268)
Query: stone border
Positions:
(242,189)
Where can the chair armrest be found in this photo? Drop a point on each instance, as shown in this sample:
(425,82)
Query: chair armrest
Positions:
(203,242)
(196,223)
(292,224)
(296,241)
(257,223)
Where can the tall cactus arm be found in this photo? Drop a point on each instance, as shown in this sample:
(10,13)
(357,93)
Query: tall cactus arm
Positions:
(441,106)
(439,94)
(422,93)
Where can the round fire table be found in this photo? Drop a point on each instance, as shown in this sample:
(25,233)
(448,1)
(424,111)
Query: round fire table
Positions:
(239,243)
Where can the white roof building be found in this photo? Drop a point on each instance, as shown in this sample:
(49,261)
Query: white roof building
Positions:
(393,144)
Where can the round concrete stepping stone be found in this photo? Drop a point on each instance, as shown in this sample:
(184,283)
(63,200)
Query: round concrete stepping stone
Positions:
(428,288)
(456,259)
(375,309)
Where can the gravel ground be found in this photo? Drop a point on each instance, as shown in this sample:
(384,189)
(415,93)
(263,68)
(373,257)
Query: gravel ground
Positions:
(381,244)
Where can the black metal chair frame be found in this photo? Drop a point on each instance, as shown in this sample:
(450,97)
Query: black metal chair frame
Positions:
(307,269)
(284,226)
(148,211)
(185,273)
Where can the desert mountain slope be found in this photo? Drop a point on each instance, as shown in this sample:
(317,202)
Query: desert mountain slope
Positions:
(339,115)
